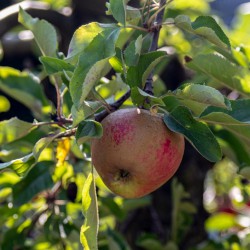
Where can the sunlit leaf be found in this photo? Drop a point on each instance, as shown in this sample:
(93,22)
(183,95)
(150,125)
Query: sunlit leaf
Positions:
(21,166)
(62,150)
(206,27)
(92,65)
(196,97)
(222,71)
(82,37)
(13,129)
(23,87)
(89,229)
(220,221)
(40,28)
(41,145)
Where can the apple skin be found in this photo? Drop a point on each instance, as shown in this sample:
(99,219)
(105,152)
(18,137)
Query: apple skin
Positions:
(137,152)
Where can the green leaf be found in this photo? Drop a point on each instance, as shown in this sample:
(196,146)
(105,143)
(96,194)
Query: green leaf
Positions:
(23,87)
(133,51)
(42,144)
(206,27)
(116,240)
(149,242)
(37,180)
(92,65)
(245,172)
(82,37)
(202,95)
(238,128)
(87,109)
(89,229)
(13,129)
(44,33)
(220,222)
(137,75)
(133,15)
(239,150)
(141,98)
(54,65)
(118,10)
(239,110)
(88,129)
(180,120)
(197,98)
(222,71)
(21,166)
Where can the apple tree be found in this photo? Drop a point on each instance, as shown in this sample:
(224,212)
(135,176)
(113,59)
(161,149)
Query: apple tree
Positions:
(170,58)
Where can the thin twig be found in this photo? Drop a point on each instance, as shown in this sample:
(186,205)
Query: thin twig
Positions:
(154,44)
(149,82)
(113,107)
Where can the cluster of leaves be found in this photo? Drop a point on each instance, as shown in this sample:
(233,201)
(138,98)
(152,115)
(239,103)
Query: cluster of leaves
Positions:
(46,163)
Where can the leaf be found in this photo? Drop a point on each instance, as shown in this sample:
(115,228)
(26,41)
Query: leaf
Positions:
(37,180)
(44,33)
(133,15)
(42,144)
(239,110)
(54,65)
(180,120)
(222,71)
(196,97)
(141,98)
(62,150)
(88,129)
(92,65)
(220,221)
(149,242)
(89,229)
(201,94)
(23,87)
(118,10)
(236,120)
(82,37)
(137,75)
(239,149)
(13,129)
(116,240)
(87,109)
(21,166)
(245,172)
(206,27)
(240,129)
(133,51)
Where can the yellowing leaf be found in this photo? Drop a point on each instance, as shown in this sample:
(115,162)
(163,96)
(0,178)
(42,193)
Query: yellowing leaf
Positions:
(62,150)
(89,229)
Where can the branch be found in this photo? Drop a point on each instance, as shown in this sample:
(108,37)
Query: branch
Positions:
(114,106)
(149,82)
(154,44)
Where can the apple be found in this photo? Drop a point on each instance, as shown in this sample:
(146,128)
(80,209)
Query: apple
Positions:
(137,152)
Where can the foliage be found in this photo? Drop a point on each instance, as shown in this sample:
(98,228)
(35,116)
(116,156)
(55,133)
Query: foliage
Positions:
(50,193)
